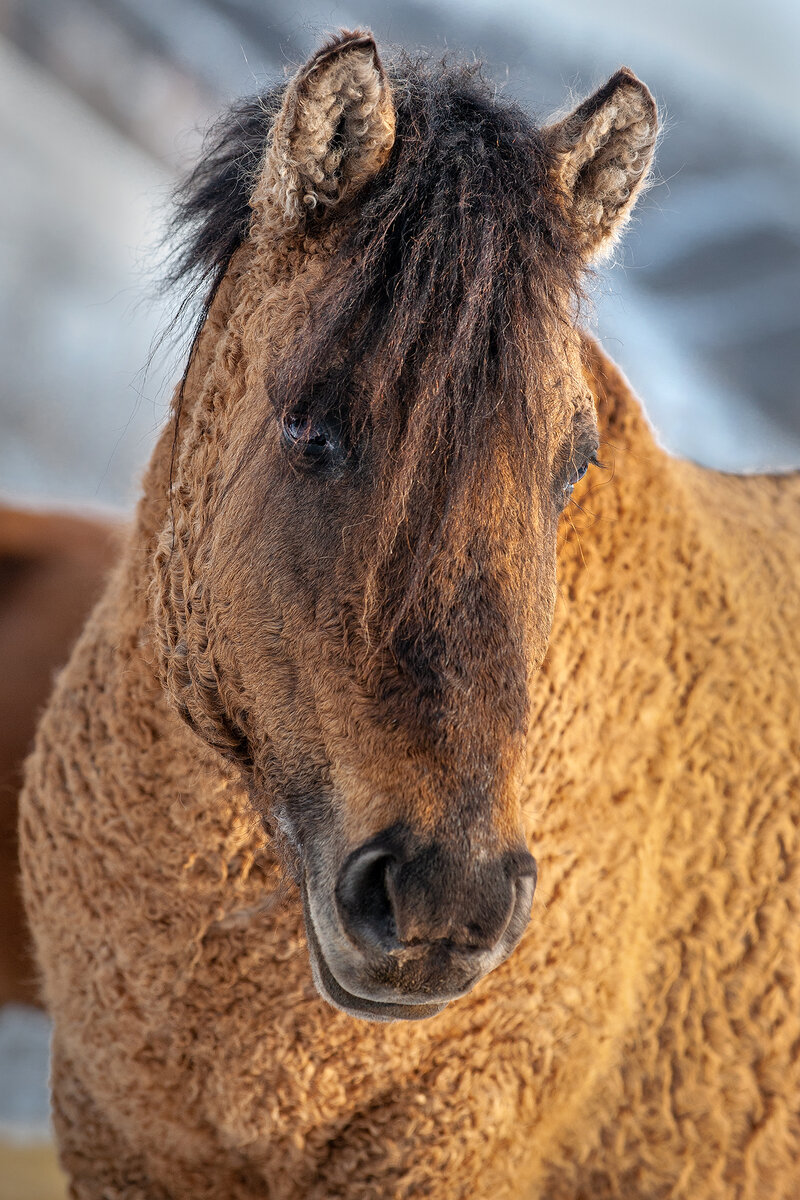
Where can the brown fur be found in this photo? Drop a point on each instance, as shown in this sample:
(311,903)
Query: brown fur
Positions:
(642,1039)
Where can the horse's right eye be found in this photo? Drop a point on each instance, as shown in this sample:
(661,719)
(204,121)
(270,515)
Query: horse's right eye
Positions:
(314,441)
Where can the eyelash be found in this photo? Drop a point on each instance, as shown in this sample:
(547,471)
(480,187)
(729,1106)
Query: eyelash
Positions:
(577,473)
(581,471)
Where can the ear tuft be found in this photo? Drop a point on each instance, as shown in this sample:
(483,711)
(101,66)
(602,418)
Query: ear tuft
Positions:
(602,155)
(334,132)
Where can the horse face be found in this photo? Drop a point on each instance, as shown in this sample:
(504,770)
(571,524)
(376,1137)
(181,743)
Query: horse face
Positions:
(390,754)
(379,557)
(389,737)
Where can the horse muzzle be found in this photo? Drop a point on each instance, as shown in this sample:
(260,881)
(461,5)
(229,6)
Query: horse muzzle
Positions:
(412,926)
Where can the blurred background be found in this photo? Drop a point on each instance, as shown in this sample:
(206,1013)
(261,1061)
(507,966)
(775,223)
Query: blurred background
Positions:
(102,104)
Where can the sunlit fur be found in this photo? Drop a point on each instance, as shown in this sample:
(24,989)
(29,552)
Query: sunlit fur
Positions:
(289,662)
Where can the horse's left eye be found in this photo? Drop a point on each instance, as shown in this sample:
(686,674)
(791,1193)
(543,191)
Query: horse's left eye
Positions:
(576,472)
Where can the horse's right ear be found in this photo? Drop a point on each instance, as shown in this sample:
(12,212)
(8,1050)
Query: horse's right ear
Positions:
(602,153)
(334,131)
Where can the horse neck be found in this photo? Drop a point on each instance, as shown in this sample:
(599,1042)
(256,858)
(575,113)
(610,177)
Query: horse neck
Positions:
(121,631)
(669,522)
(627,447)
(639,493)
(177,444)
(621,561)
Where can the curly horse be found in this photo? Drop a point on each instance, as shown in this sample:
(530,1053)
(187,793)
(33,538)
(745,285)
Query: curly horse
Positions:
(354,670)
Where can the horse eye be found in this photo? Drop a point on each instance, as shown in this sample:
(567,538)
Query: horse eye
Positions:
(577,470)
(314,440)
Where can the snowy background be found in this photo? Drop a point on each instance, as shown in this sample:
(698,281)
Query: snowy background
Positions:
(102,102)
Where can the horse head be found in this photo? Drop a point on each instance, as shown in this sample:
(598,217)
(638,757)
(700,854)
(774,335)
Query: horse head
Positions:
(382,420)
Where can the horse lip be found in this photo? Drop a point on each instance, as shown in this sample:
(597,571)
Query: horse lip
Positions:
(331,990)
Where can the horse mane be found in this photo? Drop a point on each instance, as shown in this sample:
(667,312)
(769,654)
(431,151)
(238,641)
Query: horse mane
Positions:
(453,281)
(211,205)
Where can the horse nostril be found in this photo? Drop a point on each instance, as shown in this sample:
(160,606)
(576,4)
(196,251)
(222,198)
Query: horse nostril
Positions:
(362,896)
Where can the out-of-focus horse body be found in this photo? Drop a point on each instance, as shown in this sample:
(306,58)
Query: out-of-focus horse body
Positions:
(51,571)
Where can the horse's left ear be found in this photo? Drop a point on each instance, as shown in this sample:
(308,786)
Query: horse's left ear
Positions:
(602,155)
(334,131)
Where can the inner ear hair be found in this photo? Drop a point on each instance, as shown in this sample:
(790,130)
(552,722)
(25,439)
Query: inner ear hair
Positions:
(334,132)
(602,153)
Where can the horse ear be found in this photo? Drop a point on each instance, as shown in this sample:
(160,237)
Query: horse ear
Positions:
(603,151)
(335,130)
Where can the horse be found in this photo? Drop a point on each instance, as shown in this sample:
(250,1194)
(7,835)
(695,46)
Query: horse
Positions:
(418,812)
(52,567)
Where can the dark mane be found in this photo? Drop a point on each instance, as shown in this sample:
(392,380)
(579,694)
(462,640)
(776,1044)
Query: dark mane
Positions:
(211,213)
(450,288)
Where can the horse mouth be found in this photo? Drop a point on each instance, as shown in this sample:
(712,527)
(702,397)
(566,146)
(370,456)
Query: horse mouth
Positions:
(331,990)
